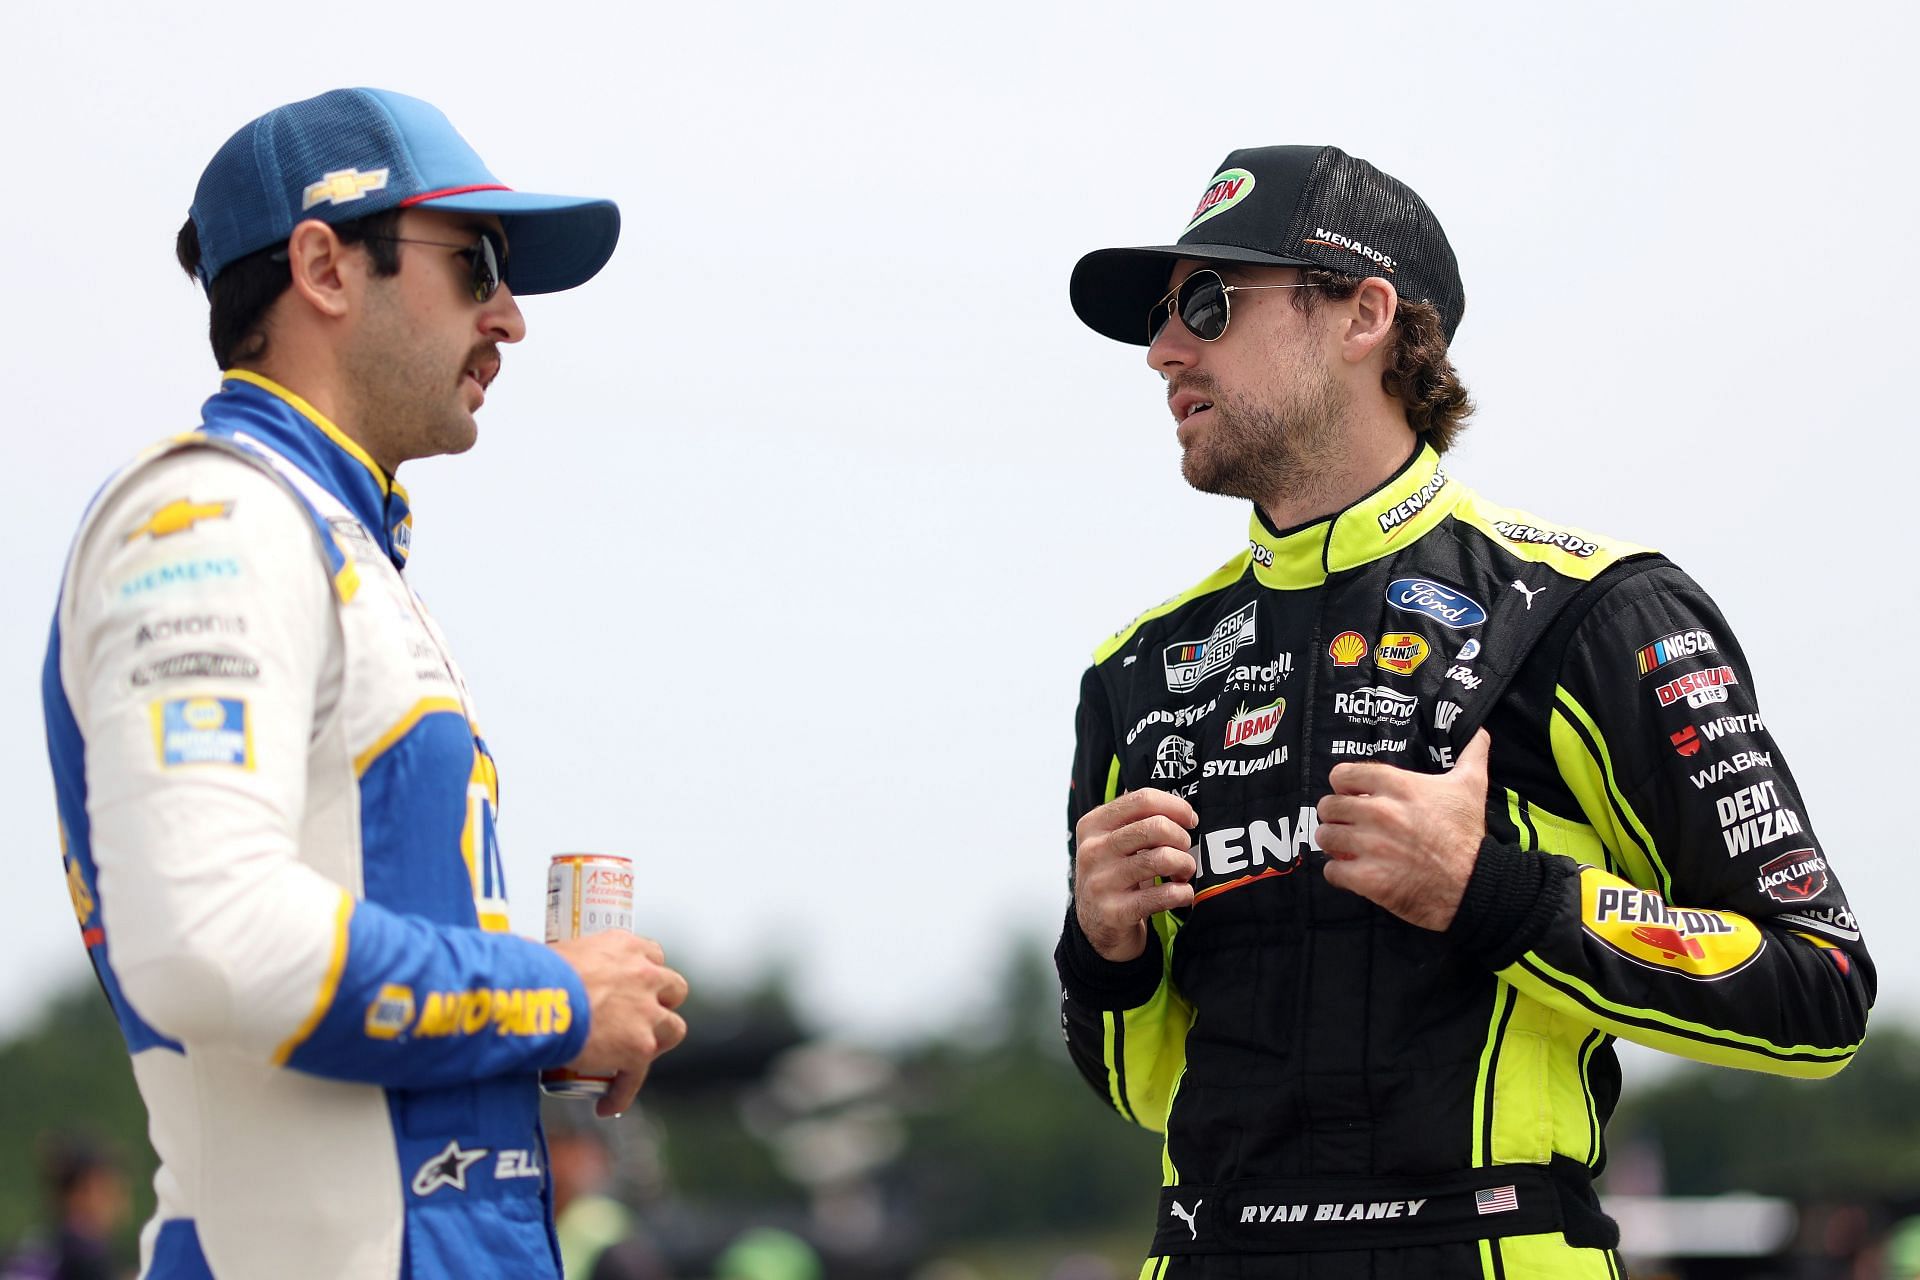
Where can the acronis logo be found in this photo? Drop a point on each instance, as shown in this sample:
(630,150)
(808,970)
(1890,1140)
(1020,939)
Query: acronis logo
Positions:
(1448,607)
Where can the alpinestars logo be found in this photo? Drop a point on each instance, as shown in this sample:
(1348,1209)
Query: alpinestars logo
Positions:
(448,1169)
(1334,240)
(1191,661)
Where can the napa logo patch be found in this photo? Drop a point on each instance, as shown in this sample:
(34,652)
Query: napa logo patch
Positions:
(1639,925)
(202,731)
(391,1012)
(1228,188)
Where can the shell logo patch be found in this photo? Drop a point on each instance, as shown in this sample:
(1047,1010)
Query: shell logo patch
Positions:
(1638,924)
(1228,188)
(1401,652)
(1347,648)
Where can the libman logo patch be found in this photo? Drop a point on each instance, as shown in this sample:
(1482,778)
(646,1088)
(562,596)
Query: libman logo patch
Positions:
(195,731)
(1228,188)
(1638,924)
(1256,727)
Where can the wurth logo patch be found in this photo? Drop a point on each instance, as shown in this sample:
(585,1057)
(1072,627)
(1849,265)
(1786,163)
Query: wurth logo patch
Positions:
(1687,741)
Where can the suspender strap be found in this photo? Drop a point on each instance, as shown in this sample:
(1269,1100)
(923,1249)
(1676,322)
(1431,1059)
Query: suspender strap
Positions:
(1298,1215)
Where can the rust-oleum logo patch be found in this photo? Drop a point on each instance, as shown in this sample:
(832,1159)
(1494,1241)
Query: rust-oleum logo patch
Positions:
(1228,188)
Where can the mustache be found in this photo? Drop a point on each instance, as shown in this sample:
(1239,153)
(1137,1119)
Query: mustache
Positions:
(1196,380)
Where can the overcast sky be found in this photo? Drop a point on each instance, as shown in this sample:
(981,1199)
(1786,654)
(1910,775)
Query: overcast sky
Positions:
(787,537)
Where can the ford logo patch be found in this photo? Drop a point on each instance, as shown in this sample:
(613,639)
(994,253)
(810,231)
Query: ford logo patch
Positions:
(1443,604)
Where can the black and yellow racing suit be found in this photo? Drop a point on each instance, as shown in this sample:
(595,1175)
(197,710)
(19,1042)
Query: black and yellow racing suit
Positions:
(1343,1093)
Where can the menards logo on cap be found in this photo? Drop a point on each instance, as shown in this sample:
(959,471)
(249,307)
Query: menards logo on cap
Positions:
(1228,188)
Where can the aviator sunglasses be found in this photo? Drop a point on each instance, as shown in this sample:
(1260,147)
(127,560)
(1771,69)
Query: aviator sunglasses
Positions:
(486,260)
(1204,305)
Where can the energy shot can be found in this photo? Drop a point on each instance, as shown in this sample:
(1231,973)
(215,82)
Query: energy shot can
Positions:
(586,893)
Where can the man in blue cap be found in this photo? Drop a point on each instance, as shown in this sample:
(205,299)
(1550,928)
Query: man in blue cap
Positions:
(276,806)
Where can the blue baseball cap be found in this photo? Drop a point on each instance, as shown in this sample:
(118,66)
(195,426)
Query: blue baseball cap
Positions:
(353,152)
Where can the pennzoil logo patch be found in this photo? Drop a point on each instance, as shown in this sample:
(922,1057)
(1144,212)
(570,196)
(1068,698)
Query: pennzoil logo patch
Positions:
(1639,925)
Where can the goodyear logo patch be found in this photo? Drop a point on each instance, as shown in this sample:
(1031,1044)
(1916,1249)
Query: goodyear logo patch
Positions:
(1638,924)
(197,731)
(391,1012)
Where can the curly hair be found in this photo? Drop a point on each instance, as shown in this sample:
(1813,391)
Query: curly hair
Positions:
(1419,373)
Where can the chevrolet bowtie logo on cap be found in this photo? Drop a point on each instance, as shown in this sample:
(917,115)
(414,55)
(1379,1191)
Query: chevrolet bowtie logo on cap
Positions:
(343,185)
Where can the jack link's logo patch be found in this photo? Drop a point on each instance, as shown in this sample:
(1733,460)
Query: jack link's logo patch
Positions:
(1800,876)
(1188,662)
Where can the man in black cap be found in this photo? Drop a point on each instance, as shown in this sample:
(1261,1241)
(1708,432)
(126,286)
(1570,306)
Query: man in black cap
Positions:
(1388,827)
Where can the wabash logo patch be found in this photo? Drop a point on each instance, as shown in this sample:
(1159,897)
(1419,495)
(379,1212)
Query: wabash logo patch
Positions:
(1800,876)
(1639,925)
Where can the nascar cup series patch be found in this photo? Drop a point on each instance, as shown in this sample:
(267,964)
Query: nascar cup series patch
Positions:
(193,731)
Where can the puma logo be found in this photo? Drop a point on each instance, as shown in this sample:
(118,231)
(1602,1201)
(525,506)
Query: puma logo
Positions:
(1521,587)
(1186,1216)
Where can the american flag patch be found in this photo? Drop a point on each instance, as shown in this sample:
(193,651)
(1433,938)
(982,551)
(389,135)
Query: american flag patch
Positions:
(1496,1200)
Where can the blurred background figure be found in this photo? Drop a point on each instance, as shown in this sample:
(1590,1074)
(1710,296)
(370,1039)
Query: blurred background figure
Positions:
(766,1253)
(600,1239)
(88,1202)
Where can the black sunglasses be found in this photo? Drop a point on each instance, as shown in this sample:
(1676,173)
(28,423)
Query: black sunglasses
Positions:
(1204,304)
(486,260)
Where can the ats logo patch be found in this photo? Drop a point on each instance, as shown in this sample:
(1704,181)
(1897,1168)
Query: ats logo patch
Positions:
(1794,878)
(1188,662)
(1401,652)
(1639,925)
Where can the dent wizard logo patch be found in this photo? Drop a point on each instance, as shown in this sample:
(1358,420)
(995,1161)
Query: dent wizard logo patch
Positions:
(1450,608)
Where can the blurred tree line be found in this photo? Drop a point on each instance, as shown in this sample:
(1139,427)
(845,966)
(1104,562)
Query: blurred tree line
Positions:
(985,1132)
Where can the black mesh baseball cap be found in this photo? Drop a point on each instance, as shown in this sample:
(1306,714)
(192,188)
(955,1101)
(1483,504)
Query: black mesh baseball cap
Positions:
(1283,207)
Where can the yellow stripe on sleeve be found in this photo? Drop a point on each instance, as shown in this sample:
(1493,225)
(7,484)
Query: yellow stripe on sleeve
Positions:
(329,983)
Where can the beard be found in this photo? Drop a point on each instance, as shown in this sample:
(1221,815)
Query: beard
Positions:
(408,395)
(1289,445)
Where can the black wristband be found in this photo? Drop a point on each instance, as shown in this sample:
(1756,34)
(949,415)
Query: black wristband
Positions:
(1099,983)
(1509,904)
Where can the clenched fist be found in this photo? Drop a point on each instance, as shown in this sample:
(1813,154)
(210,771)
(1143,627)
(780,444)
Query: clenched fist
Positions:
(1407,841)
(1121,848)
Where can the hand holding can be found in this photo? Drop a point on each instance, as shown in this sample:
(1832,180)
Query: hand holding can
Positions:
(631,992)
